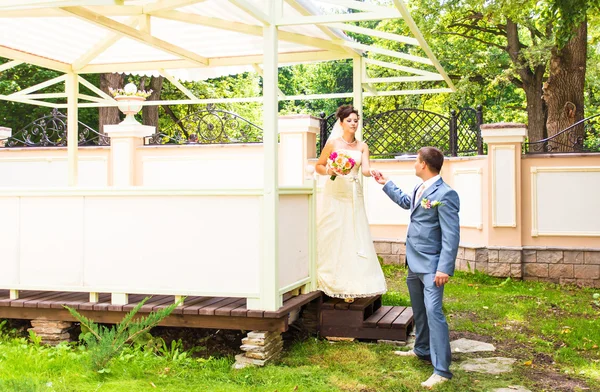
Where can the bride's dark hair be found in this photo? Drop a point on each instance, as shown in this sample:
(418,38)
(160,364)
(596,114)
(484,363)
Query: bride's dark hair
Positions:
(345,111)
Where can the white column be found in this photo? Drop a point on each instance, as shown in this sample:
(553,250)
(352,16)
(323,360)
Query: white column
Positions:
(270,299)
(297,140)
(358,93)
(72,90)
(124,139)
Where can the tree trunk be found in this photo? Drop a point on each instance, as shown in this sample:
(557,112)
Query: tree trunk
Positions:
(564,92)
(110,115)
(150,113)
(531,81)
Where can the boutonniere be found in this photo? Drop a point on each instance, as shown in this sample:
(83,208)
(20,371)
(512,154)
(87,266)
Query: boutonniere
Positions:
(427,204)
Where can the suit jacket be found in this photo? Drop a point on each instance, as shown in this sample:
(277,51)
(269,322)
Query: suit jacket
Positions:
(434,233)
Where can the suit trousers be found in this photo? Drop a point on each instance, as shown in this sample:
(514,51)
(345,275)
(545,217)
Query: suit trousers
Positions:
(432,339)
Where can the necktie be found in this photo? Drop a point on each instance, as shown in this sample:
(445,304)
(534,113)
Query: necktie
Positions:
(419,193)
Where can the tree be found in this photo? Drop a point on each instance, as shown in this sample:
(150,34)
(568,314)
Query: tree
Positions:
(109,115)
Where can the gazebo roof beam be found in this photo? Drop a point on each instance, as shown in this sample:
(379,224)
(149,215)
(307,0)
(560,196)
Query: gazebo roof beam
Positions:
(334,18)
(424,45)
(34,59)
(167,5)
(397,67)
(29,4)
(109,10)
(101,46)
(294,57)
(10,64)
(387,52)
(374,33)
(252,10)
(248,29)
(177,83)
(94,89)
(129,32)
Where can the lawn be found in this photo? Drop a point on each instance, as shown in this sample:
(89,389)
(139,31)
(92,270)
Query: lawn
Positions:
(552,331)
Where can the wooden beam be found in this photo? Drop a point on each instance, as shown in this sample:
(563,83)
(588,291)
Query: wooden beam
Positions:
(167,5)
(101,46)
(244,28)
(374,33)
(177,84)
(387,52)
(399,67)
(109,10)
(292,57)
(40,86)
(34,59)
(259,71)
(9,65)
(30,4)
(31,101)
(417,33)
(336,18)
(252,10)
(95,89)
(405,79)
(140,36)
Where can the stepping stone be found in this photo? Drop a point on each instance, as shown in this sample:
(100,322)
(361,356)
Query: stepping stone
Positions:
(470,346)
(512,388)
(494,365)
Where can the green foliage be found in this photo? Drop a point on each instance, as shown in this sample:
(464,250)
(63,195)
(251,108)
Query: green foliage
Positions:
(105,343)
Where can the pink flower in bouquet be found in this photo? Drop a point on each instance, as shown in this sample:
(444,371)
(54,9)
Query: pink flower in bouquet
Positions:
(340,163)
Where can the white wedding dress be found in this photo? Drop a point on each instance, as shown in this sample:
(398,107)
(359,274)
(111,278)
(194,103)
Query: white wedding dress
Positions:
(347,265)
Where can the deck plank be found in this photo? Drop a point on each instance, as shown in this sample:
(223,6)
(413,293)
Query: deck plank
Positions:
(380,313)
(403,319)
(387,320)
(70,301)
(190,301)
(22,295)
(19,303)
(102,297)
(210,309)
(227,309)
(47,303)
(195,308)
(292,304)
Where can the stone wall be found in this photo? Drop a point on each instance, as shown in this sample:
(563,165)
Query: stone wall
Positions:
(563,266)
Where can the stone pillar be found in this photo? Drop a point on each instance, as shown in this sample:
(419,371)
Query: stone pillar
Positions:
(297,144)
(52,332)
(503,218)
(259,348)
(125,138)
(5,133)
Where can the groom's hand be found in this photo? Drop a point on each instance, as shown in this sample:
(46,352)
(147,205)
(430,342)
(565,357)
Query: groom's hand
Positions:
(441,278)
(379,177)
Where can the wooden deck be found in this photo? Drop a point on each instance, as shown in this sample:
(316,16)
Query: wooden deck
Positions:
(196,312)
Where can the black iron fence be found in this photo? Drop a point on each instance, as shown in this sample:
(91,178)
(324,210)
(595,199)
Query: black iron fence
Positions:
(583,136)
(404,131)
(51,131)
(209,125)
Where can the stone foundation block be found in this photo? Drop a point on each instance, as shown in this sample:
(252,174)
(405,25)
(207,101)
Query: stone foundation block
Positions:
(549,256)
(470,254)
(509,256)
(259,347)
(481,255)
(516,270)
(529,256)
(493,256)
(591,258)
(398,249)
(587,271)
(572,257)
(536,269)
(51,332)
(499,269)
(383,248)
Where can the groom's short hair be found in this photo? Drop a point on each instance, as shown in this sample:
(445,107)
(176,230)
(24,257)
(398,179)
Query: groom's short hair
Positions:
(433,158)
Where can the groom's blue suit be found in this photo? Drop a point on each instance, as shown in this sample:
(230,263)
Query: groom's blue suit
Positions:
(431,245)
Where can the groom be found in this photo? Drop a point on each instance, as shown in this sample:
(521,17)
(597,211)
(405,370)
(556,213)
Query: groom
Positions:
(431,246)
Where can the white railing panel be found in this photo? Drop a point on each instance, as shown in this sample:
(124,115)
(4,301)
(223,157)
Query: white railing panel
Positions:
(294,234)
(9,235)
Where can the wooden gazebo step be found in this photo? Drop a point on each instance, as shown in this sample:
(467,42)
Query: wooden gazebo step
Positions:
(365,318)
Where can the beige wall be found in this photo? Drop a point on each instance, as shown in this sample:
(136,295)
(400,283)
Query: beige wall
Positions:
(567,197)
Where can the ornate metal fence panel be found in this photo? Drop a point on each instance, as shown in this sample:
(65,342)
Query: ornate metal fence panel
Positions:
(404,131)
(465,131)
(51,131)
(583,136)
(209,126)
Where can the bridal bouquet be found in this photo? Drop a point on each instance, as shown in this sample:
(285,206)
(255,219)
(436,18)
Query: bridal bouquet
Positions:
(340,163)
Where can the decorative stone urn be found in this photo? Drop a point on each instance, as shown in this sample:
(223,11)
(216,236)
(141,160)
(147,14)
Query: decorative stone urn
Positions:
(130,104)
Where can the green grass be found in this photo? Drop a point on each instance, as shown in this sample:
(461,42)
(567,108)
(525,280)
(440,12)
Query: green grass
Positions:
(552,331)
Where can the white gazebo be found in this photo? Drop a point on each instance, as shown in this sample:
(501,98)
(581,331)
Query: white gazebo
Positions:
(98,239)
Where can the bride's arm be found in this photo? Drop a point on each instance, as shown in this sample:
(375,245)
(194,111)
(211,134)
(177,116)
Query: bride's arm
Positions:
(321,166)
(366,164)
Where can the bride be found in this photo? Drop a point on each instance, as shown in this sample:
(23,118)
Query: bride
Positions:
(347,265)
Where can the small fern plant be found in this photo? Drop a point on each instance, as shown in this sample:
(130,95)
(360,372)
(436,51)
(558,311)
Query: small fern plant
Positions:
(104,343)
